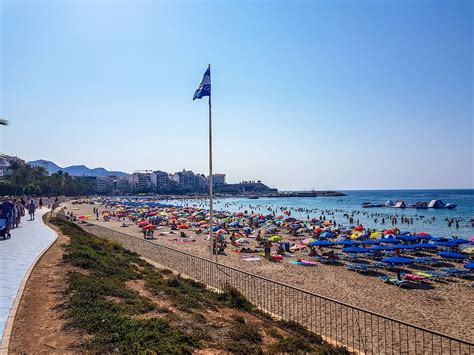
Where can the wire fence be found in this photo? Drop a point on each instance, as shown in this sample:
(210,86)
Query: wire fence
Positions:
(359,330)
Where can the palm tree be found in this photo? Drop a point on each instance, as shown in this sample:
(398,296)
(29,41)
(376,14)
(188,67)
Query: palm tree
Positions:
(3,122)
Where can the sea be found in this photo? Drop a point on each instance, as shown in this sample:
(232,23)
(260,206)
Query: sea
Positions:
(457,222)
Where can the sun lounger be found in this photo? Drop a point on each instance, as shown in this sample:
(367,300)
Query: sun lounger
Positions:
(393,281)
(433,275)
(326,260)
(453,272)
(302,263)
(359,267)
(427,261)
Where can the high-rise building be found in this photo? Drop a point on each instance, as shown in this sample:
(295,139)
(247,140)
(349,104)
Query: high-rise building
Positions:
(218,179)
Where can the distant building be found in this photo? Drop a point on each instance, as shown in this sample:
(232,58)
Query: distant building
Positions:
(202,182)
(5,163)
(113,184)
(218,179)
(162,181)
(186,180)
(141,181)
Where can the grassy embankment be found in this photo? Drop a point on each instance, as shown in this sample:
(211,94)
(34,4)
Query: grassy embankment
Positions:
(123,304)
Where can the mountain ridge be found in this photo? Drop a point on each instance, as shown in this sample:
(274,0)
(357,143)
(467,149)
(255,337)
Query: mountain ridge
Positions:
(75,170)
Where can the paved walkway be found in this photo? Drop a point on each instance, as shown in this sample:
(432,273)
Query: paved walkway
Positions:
(16,256)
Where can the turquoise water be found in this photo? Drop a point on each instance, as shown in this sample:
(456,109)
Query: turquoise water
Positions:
(342,208)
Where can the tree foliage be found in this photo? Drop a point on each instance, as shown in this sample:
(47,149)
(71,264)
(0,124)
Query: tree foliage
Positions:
(25,179)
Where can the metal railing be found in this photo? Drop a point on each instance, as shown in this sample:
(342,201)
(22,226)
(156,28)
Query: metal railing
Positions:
(357,329)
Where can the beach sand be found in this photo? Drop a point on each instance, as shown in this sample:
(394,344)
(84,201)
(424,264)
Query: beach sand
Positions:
(446,307)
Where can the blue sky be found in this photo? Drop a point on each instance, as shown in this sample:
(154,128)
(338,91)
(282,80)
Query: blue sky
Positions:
(306,94)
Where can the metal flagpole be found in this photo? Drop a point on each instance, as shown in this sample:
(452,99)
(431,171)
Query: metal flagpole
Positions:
(211,234)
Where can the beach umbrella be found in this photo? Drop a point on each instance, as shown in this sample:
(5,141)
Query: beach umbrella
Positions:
(389,240)
(290,220)
(398,261)
(215,228)
(423,234)
(439,239)
(221,231)
(321,243)
(275,238)
(183,226)
(375,235)
(451,255)
(308,240)
(327,235)
(355,235)
(149,227)
(472,240)
(459,241)
(407,238)
(389,231)
(355,250)
(294,226)
(469,266)
(359,229)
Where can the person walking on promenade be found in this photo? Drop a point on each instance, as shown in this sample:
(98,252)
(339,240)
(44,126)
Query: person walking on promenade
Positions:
(40,203)
(18,213)
(31,210)
(7,210)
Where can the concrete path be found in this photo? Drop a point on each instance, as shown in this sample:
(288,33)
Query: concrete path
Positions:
(17,255)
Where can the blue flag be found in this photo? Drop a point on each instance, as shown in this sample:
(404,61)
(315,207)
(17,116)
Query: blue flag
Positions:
(204,88)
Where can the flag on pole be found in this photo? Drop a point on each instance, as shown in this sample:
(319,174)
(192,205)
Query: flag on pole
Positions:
(204,88)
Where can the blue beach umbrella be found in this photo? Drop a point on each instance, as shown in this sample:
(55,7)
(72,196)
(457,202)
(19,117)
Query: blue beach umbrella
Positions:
(439,239)
(458,241)
(451,255)
(469,266)
(346,242)
(327,235)
(355,250)
(407,238)
(398,261)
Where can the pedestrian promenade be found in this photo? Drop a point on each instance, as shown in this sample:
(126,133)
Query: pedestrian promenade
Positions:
(17,255)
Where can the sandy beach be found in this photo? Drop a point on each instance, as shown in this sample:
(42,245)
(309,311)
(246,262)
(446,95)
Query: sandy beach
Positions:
(445,307)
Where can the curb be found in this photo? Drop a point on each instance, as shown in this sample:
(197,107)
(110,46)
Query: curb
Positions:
(11,316)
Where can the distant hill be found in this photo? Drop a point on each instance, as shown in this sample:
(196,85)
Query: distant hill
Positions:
(75,170)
